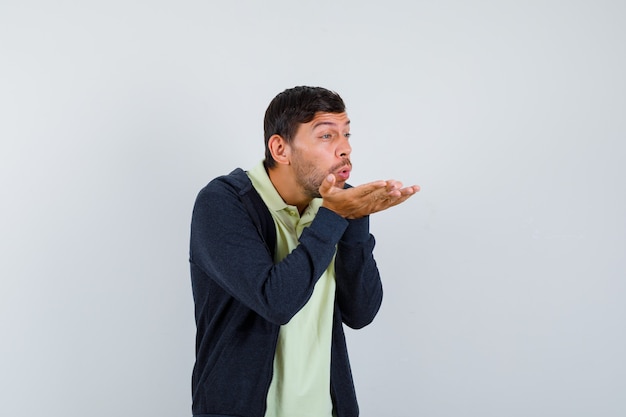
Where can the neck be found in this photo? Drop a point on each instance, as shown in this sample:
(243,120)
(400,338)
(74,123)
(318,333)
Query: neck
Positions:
(289,190)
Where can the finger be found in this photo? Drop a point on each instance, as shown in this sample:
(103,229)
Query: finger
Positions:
(393,185)
(410,190)
(393,200)
(370,187)
(327,185)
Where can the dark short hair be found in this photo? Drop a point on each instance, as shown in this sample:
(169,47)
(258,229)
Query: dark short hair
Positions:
(293,107)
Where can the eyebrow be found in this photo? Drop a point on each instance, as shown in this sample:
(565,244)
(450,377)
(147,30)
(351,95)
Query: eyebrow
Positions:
(318,124)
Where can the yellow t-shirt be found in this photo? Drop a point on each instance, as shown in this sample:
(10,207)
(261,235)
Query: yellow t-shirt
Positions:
(301,382)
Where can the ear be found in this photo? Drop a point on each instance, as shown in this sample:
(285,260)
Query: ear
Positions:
(279,149)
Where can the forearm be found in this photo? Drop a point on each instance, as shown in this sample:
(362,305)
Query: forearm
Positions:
(359,288)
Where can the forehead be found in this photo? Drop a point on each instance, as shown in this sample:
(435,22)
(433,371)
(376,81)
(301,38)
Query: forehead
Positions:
(328,120)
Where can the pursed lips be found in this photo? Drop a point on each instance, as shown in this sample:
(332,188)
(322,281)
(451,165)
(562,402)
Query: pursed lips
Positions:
(343,173)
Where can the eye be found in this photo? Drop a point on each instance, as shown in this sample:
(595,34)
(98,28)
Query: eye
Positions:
(326,136)
(347,135)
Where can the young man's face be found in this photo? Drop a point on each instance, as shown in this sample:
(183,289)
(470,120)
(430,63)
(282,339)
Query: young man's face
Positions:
(320,147)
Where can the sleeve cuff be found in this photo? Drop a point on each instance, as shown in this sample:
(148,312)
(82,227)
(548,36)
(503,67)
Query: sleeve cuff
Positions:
(358,230)
(330,224)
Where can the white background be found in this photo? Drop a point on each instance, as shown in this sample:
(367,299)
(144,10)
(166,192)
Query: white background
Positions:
(504,278)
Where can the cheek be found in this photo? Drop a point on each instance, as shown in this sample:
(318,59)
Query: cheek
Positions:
(324,157)
(319,159)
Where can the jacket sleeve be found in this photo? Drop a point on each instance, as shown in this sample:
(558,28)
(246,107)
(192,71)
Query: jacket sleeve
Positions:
(359,288)
(227,247)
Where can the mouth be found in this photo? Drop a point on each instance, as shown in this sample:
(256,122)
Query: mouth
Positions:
(343,173)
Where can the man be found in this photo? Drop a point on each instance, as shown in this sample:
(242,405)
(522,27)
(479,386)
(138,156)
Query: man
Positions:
(270,300)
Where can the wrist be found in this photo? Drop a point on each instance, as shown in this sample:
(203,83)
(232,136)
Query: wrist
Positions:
(358,230)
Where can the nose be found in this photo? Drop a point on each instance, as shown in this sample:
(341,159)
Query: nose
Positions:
(344,149)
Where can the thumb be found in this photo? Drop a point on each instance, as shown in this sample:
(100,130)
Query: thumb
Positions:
(327,185)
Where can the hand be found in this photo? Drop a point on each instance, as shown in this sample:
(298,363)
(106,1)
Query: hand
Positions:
(356,202)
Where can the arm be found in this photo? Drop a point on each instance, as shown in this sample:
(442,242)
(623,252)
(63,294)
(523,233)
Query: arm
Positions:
(359,288)
(227,247)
